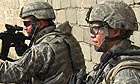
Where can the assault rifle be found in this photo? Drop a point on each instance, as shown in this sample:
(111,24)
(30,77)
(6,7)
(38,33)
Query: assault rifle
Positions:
(10,38)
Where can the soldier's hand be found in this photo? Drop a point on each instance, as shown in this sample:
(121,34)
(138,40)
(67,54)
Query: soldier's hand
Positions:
(20,48)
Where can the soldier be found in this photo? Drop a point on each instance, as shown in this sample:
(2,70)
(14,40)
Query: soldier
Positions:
(53,54)
(111,24)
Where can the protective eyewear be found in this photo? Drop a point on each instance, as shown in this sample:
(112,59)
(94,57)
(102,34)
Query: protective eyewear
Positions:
(27,23)
(95,28)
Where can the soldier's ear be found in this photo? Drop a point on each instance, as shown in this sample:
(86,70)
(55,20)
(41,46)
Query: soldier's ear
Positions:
(117,32)
(42,23)
(114,32)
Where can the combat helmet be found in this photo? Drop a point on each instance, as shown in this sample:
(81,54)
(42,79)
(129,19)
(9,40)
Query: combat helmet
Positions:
(116,13)
(113,14)
(39,9)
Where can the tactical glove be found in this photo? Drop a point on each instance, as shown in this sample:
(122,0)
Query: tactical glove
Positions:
(20,48)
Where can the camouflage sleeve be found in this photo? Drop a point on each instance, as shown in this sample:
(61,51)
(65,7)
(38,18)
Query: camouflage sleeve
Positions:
(128,76)
(26,67)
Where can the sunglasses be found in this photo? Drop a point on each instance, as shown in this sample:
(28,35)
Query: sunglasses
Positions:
(27,23)
(95,28)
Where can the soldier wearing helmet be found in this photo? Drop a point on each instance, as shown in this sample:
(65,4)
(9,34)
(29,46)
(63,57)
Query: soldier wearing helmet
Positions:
(53,54)
(119,17)
(111,24)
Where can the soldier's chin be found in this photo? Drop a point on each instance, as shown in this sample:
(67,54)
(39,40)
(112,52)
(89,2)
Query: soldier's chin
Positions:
(98,49)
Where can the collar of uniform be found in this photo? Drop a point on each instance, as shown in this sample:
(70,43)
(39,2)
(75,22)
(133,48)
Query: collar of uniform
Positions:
(44,31)
(121,45)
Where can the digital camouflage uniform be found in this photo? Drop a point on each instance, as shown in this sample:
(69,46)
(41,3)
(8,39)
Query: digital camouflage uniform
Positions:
(127,75)
(54,55)
(117,15)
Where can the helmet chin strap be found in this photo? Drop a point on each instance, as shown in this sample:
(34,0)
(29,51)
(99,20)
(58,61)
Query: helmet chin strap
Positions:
(33,34)
(34,31)
(104,44)
(107,40)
